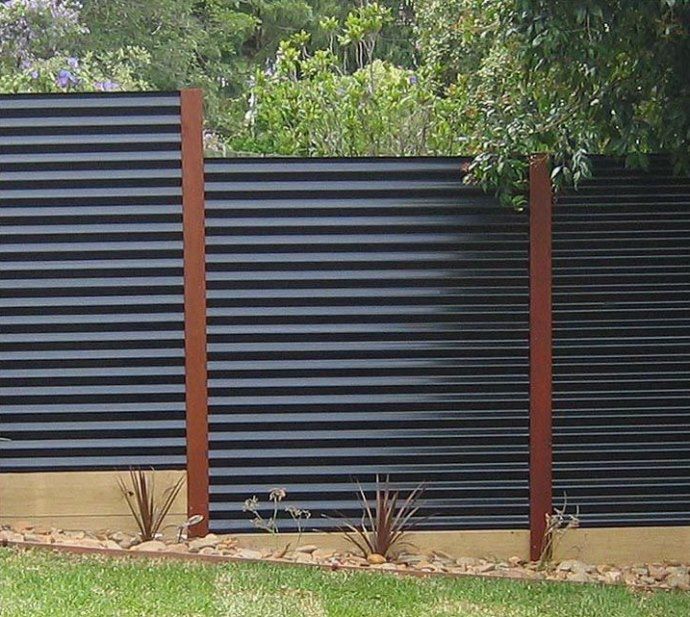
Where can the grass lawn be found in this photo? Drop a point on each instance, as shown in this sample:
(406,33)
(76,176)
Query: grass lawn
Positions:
(36,584)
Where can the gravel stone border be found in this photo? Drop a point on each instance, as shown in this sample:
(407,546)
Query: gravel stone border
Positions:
(668,575)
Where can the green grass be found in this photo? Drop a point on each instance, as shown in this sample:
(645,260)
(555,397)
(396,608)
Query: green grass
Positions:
(41,584)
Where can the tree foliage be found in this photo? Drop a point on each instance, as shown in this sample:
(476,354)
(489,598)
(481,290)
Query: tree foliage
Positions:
(106,72)
(42,50)
(622,66)
(562,76)
(310,107)
(190,42)
(37,30)
(342,100)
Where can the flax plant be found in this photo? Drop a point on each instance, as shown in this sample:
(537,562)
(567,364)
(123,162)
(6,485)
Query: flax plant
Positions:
(148,509)
(386,524)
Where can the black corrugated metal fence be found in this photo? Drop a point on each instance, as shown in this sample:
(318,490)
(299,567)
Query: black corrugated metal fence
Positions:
(365,316)
(622,346)
(92,355)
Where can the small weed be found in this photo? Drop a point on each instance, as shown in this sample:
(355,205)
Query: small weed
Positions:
(557,525)
(270,524)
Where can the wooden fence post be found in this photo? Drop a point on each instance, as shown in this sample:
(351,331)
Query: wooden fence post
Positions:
(196,387)
(541,458)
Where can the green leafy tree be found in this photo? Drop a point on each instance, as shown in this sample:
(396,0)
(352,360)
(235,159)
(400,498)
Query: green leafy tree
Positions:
(213,44)
(496,79)
(279,19)
(563,76)
(190,42)
(342,100)
(622,65)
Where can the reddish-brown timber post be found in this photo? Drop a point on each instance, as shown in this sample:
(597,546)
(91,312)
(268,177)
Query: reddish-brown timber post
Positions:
(196,387)
(541,459)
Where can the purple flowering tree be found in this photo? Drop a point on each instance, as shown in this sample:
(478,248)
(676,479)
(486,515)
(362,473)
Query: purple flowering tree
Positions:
(107,72)
(32,30)
(38,44)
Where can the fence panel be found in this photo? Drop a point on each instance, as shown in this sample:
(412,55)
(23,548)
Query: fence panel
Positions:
(622,346)
(365,316)
(92,354)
